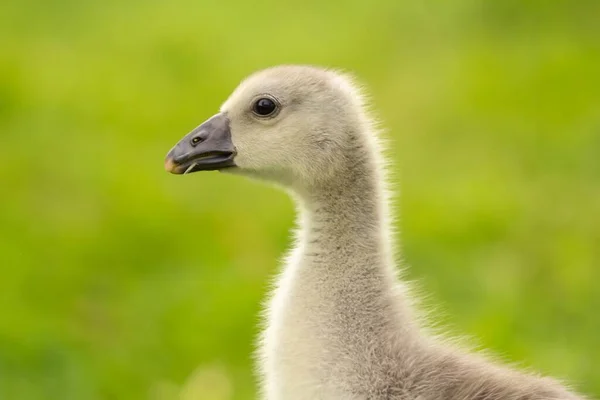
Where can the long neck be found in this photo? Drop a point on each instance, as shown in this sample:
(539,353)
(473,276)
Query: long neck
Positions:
(344,256)
(337,305)
(348,216)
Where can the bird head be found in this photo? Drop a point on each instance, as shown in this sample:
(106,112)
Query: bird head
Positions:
(288,124)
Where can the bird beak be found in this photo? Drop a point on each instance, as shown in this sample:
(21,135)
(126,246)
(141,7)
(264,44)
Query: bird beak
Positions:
(206,148)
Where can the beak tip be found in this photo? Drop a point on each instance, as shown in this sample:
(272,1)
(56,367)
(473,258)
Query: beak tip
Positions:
(170,165)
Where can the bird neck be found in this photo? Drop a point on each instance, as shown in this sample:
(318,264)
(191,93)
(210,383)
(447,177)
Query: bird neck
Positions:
(338,297)
(344,224)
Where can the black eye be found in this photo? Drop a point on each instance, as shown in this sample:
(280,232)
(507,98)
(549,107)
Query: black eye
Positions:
(264,107)
(196,140)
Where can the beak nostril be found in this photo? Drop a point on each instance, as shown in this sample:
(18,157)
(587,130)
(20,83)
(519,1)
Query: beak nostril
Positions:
(196,140)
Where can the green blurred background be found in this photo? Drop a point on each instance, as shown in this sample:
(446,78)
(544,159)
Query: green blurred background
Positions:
(120,281)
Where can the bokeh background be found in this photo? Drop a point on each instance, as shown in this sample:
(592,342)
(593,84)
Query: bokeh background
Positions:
(120,281)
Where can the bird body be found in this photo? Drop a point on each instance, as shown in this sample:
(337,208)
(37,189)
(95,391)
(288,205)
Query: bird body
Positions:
(340,322)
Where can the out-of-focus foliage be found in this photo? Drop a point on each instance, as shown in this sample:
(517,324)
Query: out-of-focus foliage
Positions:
(120,281)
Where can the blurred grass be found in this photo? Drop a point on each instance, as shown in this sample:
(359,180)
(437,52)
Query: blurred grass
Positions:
(120,281)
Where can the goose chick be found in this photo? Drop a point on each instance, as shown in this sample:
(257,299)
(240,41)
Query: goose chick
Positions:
(339,323)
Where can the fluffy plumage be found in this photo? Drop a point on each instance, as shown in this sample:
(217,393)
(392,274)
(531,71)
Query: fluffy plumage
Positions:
(340,324)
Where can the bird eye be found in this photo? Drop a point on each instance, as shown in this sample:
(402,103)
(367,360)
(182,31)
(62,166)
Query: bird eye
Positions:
(196,140)
(264,107)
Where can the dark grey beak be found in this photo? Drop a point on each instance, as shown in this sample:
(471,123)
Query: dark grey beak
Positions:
(206,148)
